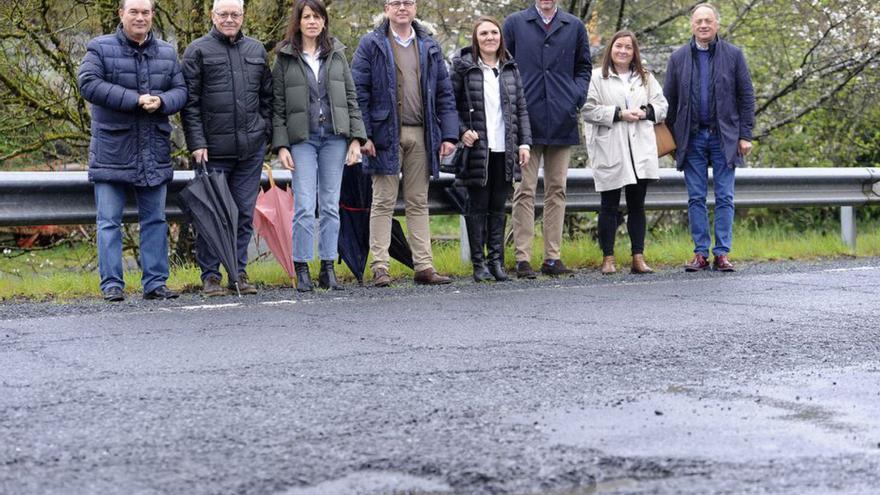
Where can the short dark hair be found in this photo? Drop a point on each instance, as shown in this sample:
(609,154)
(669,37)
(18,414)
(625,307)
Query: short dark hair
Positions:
(122,4)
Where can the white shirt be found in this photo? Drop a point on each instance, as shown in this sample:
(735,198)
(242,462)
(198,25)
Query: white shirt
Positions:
(492,106)
(547,20)
(404,42)
(314,61)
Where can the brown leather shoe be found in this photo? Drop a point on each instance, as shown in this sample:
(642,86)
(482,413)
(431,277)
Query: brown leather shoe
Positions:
(381,278)
(211,287)
(608,265)
(244,285)
(721,263)
(639,266)
(429,276)
(697,264)
(524,270)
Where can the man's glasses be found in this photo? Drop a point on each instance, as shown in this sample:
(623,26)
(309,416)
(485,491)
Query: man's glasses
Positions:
(396,4)
(231,15)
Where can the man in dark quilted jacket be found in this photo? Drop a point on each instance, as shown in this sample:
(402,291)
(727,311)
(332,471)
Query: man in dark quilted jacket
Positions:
(227,121)
(134,83)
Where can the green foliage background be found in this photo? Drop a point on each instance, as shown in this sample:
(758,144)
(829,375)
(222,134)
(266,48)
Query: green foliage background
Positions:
(814,63)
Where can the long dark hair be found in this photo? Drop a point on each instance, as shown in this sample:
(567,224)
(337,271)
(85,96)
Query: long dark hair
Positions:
(502,52)
(635,65)
(293,37)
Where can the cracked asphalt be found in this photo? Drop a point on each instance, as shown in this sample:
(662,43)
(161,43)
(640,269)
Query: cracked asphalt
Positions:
(762,381)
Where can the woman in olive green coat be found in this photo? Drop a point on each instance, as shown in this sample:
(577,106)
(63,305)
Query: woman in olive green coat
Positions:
(317,130)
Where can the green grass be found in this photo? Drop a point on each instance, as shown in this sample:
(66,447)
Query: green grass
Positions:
(68,272)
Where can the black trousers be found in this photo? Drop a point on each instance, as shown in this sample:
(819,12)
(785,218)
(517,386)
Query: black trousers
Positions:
(491,198)
(635,219)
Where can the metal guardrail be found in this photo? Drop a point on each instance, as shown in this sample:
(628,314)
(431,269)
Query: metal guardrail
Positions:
(40,198)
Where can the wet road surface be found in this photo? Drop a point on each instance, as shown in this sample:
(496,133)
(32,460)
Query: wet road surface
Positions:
(766,380)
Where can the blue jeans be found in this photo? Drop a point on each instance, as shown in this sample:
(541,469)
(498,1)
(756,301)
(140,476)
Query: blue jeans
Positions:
(705,151)
(243,177)
(317,178)
(110,202)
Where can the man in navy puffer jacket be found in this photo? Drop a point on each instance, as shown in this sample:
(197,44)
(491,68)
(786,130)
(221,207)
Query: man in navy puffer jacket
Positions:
(133,82)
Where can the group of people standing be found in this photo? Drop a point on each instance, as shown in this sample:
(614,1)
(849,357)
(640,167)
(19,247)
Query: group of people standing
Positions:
(513,97)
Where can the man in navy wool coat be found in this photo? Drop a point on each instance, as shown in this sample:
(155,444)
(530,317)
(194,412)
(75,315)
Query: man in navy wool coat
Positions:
(711,114)
(552,51)
(133,82)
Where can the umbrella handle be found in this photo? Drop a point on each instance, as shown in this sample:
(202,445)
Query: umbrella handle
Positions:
(204,164)
(268,170)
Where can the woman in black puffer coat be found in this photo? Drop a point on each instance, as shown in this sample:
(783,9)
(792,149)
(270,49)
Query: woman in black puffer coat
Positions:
(494,123)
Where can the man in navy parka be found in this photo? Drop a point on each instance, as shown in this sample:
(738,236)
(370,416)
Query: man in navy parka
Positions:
(133,82)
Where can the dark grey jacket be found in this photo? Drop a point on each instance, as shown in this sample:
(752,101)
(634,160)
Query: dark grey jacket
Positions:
(229,108)
(467,83)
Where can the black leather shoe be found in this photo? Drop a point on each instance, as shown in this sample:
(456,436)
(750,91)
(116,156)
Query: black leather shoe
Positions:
(481,273)
(161,293)
(495,246)
(114,294)
(496,268)
(327,276)
(555,268)
(303,277)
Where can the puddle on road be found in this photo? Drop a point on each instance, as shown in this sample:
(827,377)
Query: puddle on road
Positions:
(374,483)
(829,412)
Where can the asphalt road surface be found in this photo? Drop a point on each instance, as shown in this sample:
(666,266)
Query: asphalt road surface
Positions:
(762,381)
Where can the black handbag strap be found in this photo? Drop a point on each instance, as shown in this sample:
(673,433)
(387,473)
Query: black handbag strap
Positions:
(467,96)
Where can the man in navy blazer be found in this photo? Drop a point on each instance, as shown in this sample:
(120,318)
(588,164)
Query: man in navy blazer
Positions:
(711,113)
(133,82)
(552,51)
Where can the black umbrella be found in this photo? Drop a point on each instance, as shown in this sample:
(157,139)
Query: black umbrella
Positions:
(355,199)
(208,202)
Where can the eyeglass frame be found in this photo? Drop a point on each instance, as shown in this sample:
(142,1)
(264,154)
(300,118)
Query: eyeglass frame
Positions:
(228,15)
(400,3)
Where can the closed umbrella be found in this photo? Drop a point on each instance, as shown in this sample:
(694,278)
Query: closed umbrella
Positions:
(209,204)
(355,199)
(273,221)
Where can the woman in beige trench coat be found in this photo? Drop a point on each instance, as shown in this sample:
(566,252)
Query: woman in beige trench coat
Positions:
(623,104)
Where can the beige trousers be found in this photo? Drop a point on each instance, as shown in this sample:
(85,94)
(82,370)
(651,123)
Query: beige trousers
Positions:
(414,166)
(556,159)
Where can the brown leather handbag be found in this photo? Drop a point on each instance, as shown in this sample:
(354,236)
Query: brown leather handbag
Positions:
(665,141)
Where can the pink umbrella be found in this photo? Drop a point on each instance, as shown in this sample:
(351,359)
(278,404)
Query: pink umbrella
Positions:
(273,221)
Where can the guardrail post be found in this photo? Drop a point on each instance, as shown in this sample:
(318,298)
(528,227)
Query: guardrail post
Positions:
(463,240)
(848,226)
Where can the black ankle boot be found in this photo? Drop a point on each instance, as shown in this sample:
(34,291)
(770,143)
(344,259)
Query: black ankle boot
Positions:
(475,227)
(327,276)
(495,245)
(303,277)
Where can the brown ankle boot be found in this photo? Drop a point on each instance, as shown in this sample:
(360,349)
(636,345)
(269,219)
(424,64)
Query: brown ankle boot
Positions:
(608,265)
(639,265)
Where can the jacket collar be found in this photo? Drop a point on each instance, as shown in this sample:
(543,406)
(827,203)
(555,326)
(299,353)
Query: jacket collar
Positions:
(287,48)
(712,44)
(420,30)
(465,60)
(123,38)
(222,37)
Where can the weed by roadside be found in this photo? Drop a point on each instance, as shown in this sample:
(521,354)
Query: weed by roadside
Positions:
(69,271)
